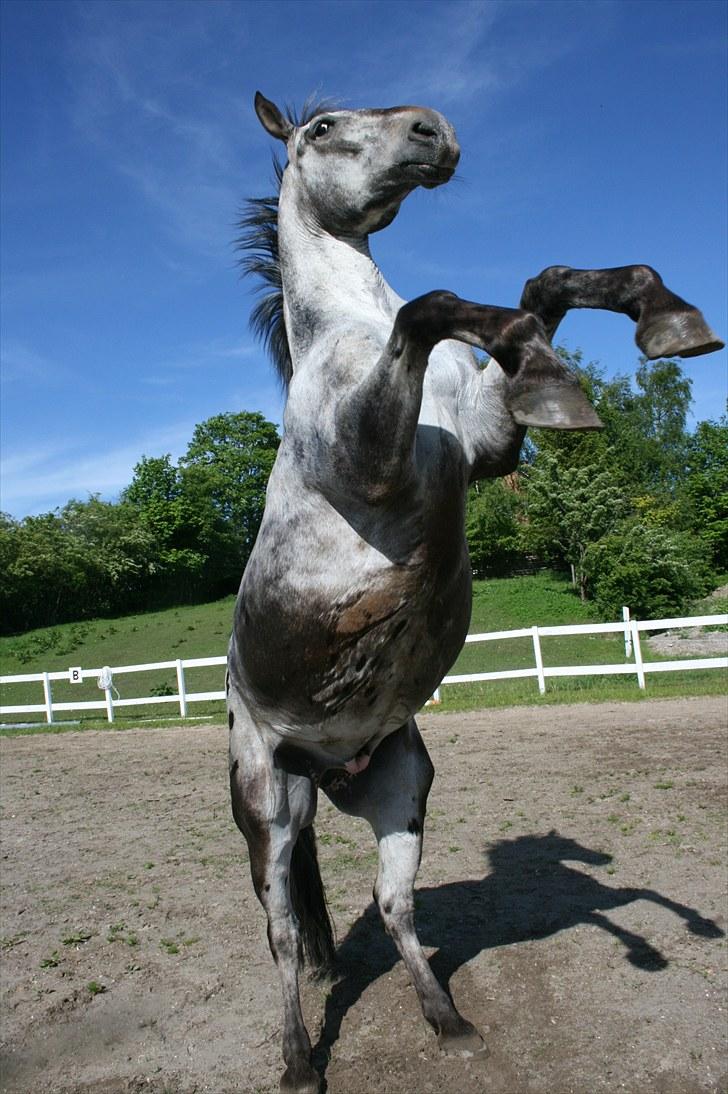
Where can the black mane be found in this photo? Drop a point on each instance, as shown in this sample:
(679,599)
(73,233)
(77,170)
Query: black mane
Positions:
(258,240)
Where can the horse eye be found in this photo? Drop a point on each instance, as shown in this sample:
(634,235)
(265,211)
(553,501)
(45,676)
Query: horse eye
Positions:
(320,129)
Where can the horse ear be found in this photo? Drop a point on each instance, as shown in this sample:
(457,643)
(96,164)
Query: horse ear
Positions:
(271,118)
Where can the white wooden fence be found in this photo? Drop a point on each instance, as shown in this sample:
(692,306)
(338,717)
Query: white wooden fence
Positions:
(631,629)
(105,678)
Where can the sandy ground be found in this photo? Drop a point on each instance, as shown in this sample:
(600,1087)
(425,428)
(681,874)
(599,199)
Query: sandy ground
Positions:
(572,896)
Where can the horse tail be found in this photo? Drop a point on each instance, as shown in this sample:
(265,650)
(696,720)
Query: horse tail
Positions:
(309,903)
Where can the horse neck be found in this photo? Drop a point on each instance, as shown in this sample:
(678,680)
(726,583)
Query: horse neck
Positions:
(326,277)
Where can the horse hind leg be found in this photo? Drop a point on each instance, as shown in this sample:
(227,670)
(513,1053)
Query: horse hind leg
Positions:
(275,811)
(399,856)
(392,795)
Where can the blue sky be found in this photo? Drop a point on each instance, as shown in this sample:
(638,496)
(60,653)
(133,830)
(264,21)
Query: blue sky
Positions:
(593,134)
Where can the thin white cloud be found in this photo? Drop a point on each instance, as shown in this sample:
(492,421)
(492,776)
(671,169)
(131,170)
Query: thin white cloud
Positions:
(20,362)
(46,475)
(201,357)
(43,477)
(451,54)
(135,103)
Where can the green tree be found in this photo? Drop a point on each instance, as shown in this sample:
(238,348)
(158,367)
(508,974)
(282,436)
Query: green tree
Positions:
(179,529)
(156,479)
(568,509)
(644,438)
(49,574)
(704,495)
(122,549)
(656,572)
(492,527)
(662,406)
(224,476)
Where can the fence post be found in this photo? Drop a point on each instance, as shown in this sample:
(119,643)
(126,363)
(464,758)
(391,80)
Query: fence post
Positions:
(48,695)
(539,660)
(181,688)
(627,634)
(637,653)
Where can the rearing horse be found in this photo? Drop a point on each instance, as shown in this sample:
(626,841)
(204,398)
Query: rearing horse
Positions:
(356,599)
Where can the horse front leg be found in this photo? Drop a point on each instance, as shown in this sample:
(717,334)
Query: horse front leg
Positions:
(392,795)
(270,813)
(667,326)
(539,389)
(378,417)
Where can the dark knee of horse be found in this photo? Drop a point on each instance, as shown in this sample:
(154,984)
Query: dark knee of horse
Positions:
(551,276)
(424,319)
(538,292)
(645,276)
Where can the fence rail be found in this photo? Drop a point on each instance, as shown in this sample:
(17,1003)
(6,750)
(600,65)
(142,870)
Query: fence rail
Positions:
(631,629)
(105,677)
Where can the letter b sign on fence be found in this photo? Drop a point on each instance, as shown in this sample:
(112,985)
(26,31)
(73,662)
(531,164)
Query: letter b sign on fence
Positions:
(75,676)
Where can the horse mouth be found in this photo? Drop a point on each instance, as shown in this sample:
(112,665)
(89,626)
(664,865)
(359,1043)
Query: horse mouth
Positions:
(428,175)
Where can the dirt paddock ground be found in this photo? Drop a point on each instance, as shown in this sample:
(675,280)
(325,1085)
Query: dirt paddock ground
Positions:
(572,897)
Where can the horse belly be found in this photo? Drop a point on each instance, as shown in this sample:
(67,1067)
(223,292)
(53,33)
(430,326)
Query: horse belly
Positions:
(337,667)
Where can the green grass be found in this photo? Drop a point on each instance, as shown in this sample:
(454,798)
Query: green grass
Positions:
(548,600)
(202,631)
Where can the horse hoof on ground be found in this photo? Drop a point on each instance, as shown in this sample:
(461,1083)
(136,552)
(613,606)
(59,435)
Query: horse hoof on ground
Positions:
(554,406)
(300,1081)
(464,1042)
(676,334)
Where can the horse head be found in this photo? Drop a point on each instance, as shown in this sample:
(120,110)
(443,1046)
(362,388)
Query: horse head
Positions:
(353,168)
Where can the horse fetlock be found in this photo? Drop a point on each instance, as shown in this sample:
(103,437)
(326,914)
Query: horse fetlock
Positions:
(681,332)
(516,339)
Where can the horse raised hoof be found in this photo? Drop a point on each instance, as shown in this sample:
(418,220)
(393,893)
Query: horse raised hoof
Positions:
(300,1080)
(556,405)
(463,1041)
(682,333)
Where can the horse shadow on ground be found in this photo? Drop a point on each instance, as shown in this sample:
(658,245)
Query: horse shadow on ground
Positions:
(527,894)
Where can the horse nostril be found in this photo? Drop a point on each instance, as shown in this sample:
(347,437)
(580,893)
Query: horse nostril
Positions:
(422,131)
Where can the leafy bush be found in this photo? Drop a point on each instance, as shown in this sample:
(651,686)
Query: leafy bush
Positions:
(653,571)
(705,489)
(491,528)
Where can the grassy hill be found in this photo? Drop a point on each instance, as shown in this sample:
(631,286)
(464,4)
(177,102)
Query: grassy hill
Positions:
(202,631)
